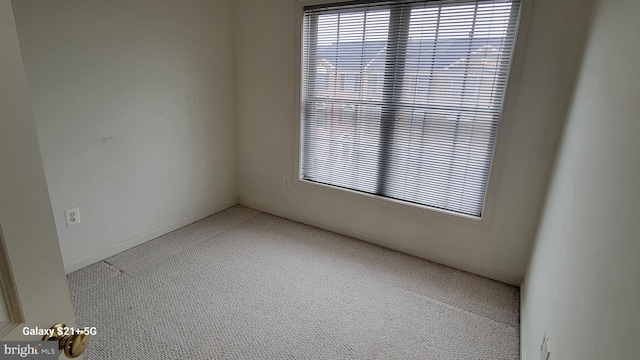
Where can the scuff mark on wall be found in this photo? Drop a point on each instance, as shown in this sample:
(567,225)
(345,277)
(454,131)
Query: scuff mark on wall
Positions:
(106,139)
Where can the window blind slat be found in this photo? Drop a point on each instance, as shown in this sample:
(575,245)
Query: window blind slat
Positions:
(402,98)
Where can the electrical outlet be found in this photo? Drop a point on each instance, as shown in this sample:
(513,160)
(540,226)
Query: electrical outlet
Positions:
(285,182)
(72,216)
(544,349)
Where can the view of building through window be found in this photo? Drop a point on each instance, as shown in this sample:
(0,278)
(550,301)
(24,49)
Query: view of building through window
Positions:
(403,100)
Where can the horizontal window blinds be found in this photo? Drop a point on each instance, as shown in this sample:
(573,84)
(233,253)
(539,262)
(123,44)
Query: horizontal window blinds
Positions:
(402,99)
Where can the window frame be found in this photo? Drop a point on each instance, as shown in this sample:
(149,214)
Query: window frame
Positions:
(499,152)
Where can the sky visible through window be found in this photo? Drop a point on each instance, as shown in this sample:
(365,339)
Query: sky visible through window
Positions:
(427,22)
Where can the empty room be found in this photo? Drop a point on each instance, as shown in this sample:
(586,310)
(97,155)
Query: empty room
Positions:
(319,179)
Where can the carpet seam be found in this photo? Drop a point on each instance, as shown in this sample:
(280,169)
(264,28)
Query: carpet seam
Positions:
(447,305)
(184,250)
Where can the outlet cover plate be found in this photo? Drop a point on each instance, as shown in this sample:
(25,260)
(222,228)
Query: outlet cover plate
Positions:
(72,216)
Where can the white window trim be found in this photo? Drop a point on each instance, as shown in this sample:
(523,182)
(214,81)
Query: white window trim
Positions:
(499,149)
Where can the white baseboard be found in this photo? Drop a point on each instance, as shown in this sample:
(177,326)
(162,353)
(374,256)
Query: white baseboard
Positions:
(138,240)
(489,273)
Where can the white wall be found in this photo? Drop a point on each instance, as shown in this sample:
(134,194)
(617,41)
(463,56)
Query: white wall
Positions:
(266,49)
(133,103)
(31,274)
(582,284)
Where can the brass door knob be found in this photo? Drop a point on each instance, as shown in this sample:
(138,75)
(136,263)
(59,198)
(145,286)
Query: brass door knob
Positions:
(72,343)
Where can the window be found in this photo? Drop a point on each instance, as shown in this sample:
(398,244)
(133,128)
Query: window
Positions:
(350,82)
(422,85)
(321,80)
(421,128)
(464,87)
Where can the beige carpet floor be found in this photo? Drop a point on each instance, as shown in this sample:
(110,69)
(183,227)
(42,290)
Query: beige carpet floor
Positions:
(242,284)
